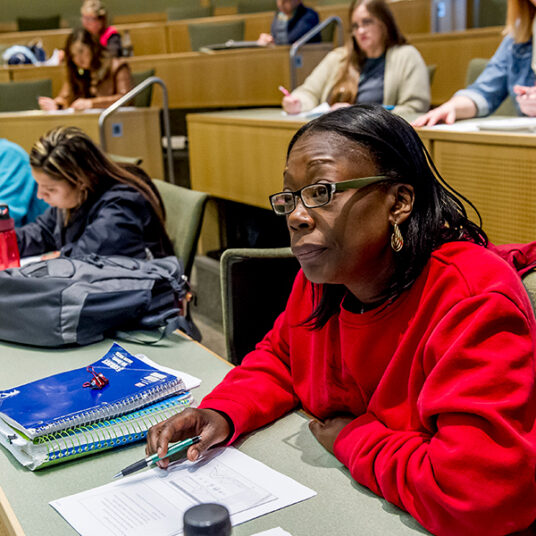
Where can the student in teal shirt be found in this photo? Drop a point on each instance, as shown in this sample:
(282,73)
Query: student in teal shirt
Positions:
(17,186)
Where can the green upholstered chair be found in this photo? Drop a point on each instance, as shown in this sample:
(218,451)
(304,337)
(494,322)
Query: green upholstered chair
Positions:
(213,33)
(529,280)
(255,286)
(188,12)
(431,72)
(491,13)
(255,6)
(26,24)
(143,99)
(475,67)
(19,96)
(184,216)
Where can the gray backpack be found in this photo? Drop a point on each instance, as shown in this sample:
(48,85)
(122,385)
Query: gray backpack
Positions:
(79,301)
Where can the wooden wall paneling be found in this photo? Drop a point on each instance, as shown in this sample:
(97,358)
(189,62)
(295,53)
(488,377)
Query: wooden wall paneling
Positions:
(147,39)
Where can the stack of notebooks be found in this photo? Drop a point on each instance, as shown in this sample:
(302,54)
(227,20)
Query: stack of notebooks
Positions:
(56,419)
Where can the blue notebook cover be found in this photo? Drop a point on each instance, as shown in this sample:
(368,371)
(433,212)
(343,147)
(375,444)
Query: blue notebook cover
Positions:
(60,401)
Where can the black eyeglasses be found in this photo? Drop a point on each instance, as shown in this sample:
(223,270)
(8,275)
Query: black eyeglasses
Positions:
(317,195)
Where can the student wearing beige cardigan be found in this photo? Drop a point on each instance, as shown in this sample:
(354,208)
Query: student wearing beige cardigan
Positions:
(376,66)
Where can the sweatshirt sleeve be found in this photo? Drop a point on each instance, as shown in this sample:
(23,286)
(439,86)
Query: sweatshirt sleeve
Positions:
(260,390)
(473,472)
(38,237)
(320,81)
(413,93)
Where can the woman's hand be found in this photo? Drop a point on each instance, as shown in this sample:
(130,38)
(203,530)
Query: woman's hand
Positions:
(81,104)
(446,113)
(526,98)
(337,105)
(265,39)
(207,423)
(47,104)
(326,432)
(291,105)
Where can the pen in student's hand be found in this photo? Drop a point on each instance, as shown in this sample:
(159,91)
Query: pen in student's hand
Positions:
(284,90)
(151,460)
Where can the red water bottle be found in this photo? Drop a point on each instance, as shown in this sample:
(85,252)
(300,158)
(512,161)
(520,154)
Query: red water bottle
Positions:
(9,251)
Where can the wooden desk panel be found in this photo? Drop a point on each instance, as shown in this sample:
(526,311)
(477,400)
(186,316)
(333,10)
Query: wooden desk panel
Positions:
(140,132)
(451,53)
(149,38)
(247,77)
(178,38)
(21,73)
(496,172)
(240,155)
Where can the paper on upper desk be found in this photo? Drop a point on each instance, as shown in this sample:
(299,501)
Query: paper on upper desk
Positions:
(189,381)
(315,112)
(510,124)
(153,502)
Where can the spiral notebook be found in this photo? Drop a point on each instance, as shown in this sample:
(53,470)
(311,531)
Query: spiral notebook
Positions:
(68,444)
(59,402)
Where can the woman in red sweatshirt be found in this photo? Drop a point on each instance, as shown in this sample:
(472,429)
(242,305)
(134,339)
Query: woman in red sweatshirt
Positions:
(409,340)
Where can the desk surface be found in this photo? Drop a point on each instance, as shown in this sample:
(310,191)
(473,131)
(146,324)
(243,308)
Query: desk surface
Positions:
(129,132)
(341,506)
(240,156)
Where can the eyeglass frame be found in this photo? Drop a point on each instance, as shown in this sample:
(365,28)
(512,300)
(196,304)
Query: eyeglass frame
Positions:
(332,187)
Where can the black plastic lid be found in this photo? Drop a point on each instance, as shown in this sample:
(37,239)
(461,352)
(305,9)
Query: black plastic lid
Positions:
(6,221)
(4,212)
(207,519)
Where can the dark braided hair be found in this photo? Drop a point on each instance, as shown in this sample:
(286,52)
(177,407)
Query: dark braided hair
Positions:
(438,214)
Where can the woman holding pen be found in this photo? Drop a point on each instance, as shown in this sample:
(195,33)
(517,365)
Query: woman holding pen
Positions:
(407,336)
(94,79)
(375,66)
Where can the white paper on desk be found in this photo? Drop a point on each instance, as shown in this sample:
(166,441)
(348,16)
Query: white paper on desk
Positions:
(510,124)
(317,111)
(153,502)
(278,531)
(189,381)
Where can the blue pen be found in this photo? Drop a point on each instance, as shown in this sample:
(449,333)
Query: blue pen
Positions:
(388,106)
(151,460)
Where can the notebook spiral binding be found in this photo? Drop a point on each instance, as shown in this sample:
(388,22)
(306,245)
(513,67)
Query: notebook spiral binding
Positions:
(112,433)
(109,411)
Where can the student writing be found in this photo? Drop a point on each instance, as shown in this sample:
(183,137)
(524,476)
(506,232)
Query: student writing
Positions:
(375,66)
(96,206)
(94,79)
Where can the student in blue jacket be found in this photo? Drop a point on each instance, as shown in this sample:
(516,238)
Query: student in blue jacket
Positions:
(96,205)
(18,190)
(291,21)
(509,73)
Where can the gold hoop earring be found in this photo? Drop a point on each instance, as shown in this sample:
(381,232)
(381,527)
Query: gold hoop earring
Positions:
(397,240)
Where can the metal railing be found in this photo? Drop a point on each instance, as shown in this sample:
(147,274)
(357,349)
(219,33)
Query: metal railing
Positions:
(295,60)
(124,101)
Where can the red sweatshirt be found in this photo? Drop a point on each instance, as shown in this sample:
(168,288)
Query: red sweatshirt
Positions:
(441,382)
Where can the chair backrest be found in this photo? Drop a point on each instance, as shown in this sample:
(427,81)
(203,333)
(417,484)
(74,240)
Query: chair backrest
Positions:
(475,67)
(490,13)
(529,280)
(215,32)
(143,99)
(188,12)
(18,96)
(26,24)
(255,6)
(184,216)
(431,72)
(255,285)
(9,524)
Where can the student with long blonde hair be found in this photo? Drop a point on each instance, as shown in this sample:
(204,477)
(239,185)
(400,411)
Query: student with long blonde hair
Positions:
(376,66)
(96,205)
(509,73)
